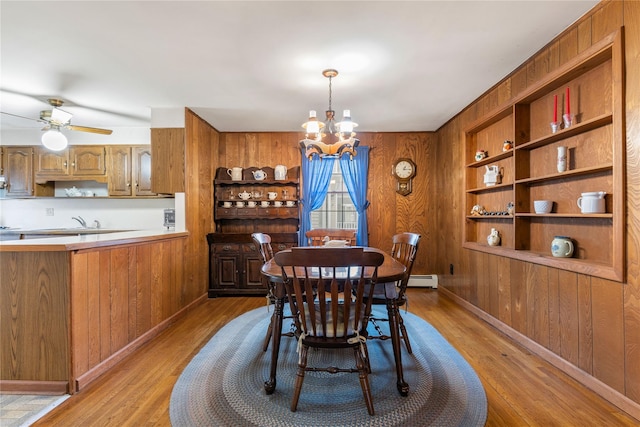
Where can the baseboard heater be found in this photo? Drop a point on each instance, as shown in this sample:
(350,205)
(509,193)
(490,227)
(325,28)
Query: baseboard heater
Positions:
(423,281)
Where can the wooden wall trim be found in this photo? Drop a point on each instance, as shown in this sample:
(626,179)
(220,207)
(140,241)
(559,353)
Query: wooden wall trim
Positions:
(56,388)
(603,390)
(95,372)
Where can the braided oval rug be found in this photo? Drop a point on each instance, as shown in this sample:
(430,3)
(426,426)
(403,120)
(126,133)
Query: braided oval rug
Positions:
(223,384)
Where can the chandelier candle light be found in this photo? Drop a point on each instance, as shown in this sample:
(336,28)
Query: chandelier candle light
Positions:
(343,131)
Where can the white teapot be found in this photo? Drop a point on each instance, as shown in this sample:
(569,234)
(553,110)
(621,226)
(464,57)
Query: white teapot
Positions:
(244,195)
(73,192)
(259,174)
(280,172)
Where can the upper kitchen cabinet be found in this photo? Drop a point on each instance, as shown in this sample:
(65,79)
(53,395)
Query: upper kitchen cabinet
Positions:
(167,163)
(80,162)
(129,170)
(17,167)
(17,170)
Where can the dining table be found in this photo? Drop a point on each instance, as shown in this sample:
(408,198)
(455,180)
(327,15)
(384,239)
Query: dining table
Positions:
(391,270)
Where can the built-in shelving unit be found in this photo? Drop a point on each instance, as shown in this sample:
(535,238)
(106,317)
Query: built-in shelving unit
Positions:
(596,162)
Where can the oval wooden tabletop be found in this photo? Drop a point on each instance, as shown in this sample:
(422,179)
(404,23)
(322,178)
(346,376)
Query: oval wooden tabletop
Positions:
(390,270)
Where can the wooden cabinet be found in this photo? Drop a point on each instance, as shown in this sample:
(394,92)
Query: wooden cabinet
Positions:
(76,162)
(168,147)
(17,164)
(235,262)
(87,311)
(129,171)
(596,144)
(234,259)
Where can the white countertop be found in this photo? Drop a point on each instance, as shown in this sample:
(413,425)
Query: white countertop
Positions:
(87,241)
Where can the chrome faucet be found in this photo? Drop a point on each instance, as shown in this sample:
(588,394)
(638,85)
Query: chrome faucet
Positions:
(81,220)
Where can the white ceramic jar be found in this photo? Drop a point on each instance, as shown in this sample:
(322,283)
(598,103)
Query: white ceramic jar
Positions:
(562,247)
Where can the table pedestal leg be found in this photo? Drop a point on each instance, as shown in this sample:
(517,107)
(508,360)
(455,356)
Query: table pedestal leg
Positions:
(276,333)
(392,312)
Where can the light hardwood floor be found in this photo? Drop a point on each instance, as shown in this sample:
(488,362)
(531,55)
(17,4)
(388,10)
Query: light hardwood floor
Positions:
(522,389)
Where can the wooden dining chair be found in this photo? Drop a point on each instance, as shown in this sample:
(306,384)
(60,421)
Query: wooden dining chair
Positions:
(325,276)
(319,236)
(263,241)
(393,295)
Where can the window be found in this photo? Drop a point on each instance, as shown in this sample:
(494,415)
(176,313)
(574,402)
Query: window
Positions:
(337,210)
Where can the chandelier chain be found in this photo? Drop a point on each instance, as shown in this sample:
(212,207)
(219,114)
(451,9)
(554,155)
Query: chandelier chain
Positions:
(330,77)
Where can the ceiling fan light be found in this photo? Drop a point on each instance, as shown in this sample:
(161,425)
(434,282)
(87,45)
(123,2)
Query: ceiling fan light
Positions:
(60,116)
(54,140)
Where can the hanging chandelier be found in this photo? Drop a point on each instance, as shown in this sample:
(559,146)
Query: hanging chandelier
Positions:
(316,130)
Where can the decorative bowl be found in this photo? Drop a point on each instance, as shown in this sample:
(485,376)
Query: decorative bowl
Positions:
(542,206)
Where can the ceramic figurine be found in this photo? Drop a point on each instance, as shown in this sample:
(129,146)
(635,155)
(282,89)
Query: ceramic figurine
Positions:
(510,208)
(507,145)
(481,154)
(478,210)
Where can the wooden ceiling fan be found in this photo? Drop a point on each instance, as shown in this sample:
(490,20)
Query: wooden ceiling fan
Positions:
(57,119)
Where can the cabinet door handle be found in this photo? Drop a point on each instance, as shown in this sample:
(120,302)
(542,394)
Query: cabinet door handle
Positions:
(65,164)
(227,248)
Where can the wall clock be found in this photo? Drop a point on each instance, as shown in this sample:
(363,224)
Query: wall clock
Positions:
(404,170)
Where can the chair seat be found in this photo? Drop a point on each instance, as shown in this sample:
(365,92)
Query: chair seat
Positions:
(384,291)
(329,323)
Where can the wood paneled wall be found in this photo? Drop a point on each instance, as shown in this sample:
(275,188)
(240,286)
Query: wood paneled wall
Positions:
(34,314)
(591,324)
(118,295)
(201,142)
(389,212)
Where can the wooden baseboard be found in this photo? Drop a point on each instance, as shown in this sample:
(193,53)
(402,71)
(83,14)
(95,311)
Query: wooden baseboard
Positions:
(86,378)
(603,390)
(51,388)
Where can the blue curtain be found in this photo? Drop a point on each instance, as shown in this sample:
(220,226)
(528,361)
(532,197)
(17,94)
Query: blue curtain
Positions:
(316,177)
(354,173)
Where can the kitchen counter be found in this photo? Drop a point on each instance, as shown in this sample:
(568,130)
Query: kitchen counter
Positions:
(79,241)
(73,306)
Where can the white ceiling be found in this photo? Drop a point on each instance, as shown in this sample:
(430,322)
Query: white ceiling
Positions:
(256,65)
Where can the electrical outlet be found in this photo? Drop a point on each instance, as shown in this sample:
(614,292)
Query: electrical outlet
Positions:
(49,212)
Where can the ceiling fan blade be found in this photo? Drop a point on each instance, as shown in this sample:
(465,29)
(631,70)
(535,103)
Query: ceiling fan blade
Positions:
(88,129)
(23,117)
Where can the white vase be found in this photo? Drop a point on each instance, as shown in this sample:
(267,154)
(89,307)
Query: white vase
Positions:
(493,239)
(562,159)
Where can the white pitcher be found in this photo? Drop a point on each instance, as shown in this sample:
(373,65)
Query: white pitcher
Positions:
(235,174)
(592,202)
(280,172)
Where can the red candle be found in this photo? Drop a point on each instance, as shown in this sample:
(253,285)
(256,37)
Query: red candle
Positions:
(555,108)
(568,110)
